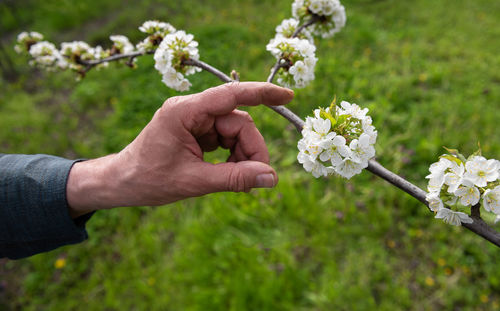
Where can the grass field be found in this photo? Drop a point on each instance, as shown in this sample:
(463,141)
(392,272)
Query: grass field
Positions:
(427,70)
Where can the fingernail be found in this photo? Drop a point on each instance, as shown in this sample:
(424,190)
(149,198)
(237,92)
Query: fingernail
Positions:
(264,181)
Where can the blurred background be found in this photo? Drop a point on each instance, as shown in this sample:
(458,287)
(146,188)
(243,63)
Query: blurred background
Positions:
(427,70)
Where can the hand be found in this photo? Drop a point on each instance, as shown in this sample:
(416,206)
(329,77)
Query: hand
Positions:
(165,162)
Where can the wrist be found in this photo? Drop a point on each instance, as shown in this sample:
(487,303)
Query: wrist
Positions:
(92,185)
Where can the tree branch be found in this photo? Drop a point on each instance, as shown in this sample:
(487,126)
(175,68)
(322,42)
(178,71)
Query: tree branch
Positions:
(89,64)
(286,113)
(478,226)
(314,18)
(396,180)
(216,72)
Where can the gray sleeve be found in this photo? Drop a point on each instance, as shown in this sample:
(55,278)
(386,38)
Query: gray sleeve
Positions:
(34,214)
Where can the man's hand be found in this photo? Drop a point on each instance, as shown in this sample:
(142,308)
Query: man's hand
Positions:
(165,162)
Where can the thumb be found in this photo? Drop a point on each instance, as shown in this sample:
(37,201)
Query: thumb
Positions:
(237,176)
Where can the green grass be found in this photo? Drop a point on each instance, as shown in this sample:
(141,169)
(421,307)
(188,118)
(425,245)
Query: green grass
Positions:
(428,71)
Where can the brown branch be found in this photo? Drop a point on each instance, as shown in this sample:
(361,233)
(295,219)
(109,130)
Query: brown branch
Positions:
(314,18)
(396,180)
(475,211)
(286,113)
(216,72)
(478,226)
(89,64)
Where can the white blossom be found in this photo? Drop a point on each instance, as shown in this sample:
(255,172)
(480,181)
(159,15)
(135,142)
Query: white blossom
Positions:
(169,57)
(454,177)
(341,148)
(315,167)
(436,177)
(78,50)
(468,193)
(491,200)
(288,27)
(481,171)
(361,148)
(497,220)
(298,60)
(331,13)
(157,28)
(457,180)
(353,110)
(156,31)
(435,202)
(453,217)
(349,167)
(46,55)
(121,44)
(26,39)
(335,150)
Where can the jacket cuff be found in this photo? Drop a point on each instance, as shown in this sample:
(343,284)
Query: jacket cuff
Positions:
(34,214)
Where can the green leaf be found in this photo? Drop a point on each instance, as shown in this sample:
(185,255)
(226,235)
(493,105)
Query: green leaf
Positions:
(343,118)
(456,153)
(328,116)
(452,158)
(333,104)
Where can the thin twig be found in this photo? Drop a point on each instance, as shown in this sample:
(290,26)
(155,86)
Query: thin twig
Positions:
(314,18)
(115,58)
(89,64)
(286,113)
(216,72)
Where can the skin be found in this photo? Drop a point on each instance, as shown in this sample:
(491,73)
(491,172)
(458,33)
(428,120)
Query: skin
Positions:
(165,163)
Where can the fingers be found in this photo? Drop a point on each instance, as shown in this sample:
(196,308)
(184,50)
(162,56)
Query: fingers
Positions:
(209,141)
(237,177)
(238,132)
(225,98)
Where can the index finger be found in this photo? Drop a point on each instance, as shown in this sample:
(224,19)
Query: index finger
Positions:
(223,99)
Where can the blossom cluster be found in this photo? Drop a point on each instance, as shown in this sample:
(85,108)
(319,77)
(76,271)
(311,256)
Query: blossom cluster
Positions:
(173,50)
(45,55)
(456,182)
(70,56)
(297,60)
(76,51)
(121,45)
(330,14)
(337,140)
(26,39)
(156,32)
(288,27)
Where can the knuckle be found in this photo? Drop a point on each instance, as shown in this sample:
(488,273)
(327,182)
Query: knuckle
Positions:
(172,101)
(236,181)
(229,89)
(246,116)
(170,104)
